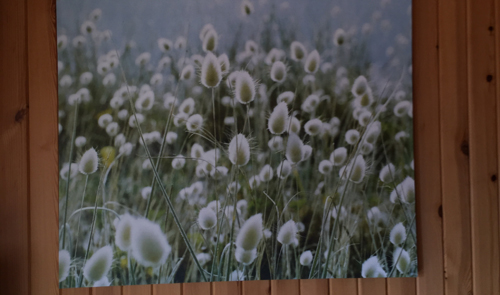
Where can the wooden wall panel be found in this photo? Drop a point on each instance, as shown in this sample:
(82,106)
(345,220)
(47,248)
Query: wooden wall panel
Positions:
(483,146)
(456,102)
(455,146)
(427,147)
(14,169)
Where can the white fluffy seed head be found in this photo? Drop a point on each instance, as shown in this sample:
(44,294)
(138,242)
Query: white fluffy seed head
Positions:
(405,191)
(123,230)
(275,144)
(364,118)
(88,162)
(239,150)
(366,148)
(99,264)
(287,97)
(287,233)
(244,87)
(352,136)
(245,257)
(371,268)
(149,245)
(112,129)
(338,156)
(306,258)
(64,264)
(310,103)
(401,260)
(278,72)
(194,123)
(294,148)
(65,171)
(339,37)
(187,72)
(360,86)
(196,151)
(298,51)
(211,72)
(224,63)
(207,218)
(210,41)
(277,123)
(178,162)
(165,45)
(387,173)
(312,62)
(306,152)
(402,108)
(356,171)
(187,106)
(133,121)
(250,233)
(246,7)
(266,173)
(104,120)
(146,192)
(254,182)
(284,169)
(313,127)
(372,132)
(398,234)
(325,167)
(293,125)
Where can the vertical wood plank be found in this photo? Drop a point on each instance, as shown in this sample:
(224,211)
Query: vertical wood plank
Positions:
(14,232)
(43,154)
(455,146)
(256,287)
(167,289)
(115,290)
(314,286)
(427,147)
(285,287)
(483,146)
(343,286)
(137,290)
(372,287)
(399,286)
(196,289)
(226,288)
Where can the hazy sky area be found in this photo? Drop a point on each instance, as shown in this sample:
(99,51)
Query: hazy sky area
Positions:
(147,20)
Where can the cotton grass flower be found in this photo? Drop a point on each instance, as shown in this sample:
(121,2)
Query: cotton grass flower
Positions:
(278,72)
(239,150)
(310,103)
(135,119)
(405,191)
(80,141)
(387,173)
(294,148)
(244,87)
(178,162)
(64,265)
(146,192)
(149,245)
(65,171)
(165,45)
(187,72)
(287,233)
(224,63)
(187,106)
(293,125)
(298,51)
(143,59)
(306,258)
(284,169)
(339,37)
(250,234)
(86,78)
(313,127)
(99,264)
(194,123)
(371,268)
(312,62)
(352,136)
(207,218)
(275,144)
(325,167)
(104,120)
(245,257)
(266,173)
(355,170)
(401,260)
(123,230)
(246,7)
(254,182)
(211,73)
(287,97)
(112,129)
(277,123)
(372,132)
(210,41)
(274,55)
(88,162)
(306,152)
(219,172)
(360,86)
(398,234)
(402,108)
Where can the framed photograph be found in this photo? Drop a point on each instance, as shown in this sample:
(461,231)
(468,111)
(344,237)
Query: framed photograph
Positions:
(220,140)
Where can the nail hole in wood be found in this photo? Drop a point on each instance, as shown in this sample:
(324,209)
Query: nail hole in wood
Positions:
(440,211)
(464,147)
(490,28)
(489,78)
(494,177)
(20,115)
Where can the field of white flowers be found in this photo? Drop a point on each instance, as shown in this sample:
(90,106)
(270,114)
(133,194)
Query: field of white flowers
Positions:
(275,158)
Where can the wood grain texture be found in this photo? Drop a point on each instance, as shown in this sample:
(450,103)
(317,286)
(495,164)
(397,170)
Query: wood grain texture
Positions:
(372,287)
(285,287)
(483,146)
(400,286)
(167,289)
(455,146)
(343,286)
(226,288)
(43,156)
(256,287)
(76,291)
(196,289)
(137,290)
(427,147)
(14,232)
(116,290)
(318,286)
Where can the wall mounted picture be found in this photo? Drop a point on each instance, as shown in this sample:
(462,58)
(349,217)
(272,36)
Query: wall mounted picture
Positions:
(226,140)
